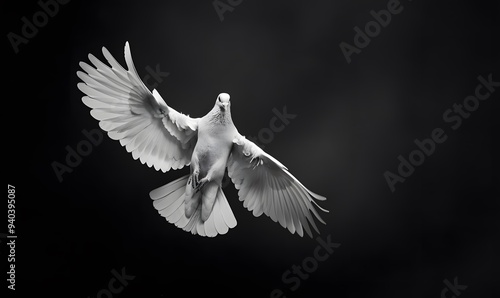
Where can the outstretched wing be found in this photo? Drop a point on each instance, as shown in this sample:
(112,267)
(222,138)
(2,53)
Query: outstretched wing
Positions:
(145,125)
(265,186)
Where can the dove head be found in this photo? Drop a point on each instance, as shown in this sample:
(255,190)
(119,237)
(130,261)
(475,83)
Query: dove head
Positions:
(223,101)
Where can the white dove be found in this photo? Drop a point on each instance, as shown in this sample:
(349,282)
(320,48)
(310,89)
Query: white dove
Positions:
(165,139)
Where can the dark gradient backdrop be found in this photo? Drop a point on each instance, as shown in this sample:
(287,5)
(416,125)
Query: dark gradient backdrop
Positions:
(353,121)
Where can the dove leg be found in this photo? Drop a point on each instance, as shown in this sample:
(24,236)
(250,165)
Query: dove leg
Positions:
(192,194)
(191,200)
(208,195)
(215,173)
(197,183)
(193,180)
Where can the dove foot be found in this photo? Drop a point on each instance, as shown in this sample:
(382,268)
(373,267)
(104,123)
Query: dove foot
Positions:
(195,182)
(201,183)
(195,176)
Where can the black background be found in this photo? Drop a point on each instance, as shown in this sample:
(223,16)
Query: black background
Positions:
(353,120)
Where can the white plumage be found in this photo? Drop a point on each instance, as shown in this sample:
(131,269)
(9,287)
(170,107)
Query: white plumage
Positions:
(165,139)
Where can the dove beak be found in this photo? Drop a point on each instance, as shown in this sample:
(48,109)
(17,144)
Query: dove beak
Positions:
(224,104)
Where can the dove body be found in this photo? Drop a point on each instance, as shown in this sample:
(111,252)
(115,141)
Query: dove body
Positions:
(208,162)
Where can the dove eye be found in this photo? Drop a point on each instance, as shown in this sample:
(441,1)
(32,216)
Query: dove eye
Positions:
(218,98)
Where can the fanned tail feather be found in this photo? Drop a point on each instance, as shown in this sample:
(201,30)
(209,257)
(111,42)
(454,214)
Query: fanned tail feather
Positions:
(169,201)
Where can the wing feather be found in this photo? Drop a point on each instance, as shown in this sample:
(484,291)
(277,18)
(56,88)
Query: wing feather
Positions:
(265,186)
(145,125)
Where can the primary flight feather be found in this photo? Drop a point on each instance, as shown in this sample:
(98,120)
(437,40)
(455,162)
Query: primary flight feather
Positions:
(165,139)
